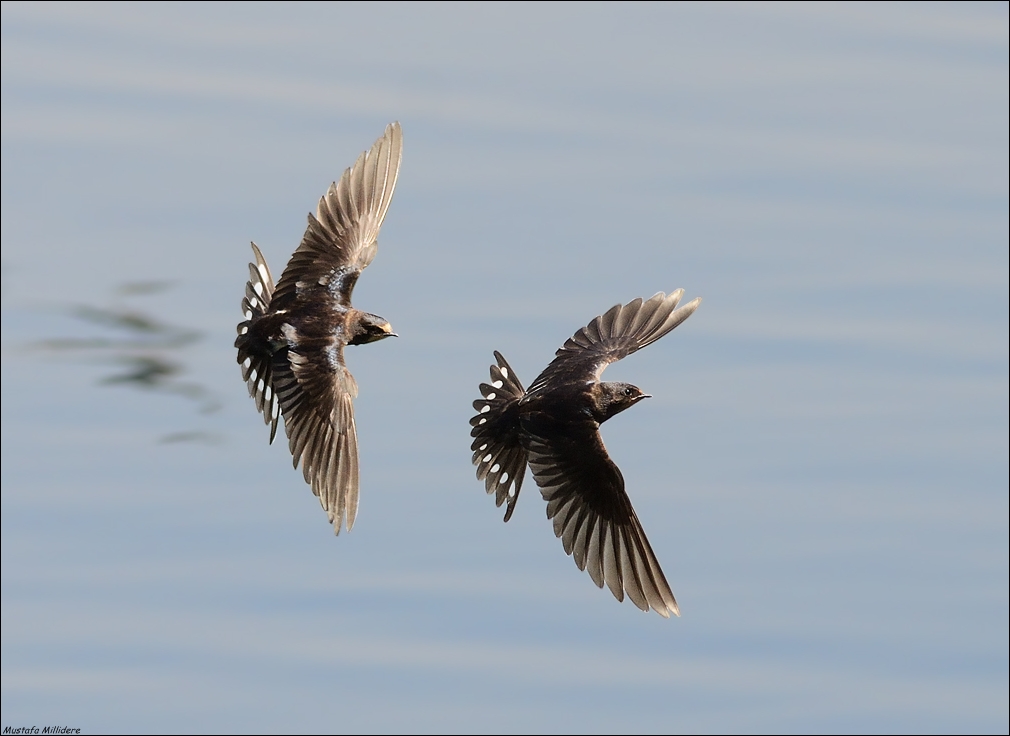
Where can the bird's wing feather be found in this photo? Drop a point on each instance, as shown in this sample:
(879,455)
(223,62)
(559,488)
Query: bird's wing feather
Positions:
(614,335)
(340,240)
(316,393)
(594,518)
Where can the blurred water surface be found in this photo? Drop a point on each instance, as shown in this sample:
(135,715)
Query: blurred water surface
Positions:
(822,471)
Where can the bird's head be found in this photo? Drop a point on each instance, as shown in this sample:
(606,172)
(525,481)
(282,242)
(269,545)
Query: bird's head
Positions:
(613,397)
(371,327)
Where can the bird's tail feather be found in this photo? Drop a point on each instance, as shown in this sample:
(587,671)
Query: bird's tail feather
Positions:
(497,452)
(257,370)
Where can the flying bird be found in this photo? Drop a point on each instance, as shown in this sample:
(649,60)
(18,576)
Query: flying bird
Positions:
(291,343)
(554,426)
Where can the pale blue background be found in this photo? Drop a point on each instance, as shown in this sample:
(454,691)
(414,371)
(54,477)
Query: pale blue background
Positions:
(823,471)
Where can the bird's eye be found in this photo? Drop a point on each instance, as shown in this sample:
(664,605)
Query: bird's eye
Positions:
(628,391)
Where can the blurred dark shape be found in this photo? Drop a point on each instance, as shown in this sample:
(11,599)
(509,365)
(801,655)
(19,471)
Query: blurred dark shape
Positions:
(157,373)
(209,438)
(147,353)
(140,324)
(135,288)
(148,370)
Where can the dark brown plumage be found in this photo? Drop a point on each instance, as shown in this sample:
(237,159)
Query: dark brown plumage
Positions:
(554,427)
(291,343)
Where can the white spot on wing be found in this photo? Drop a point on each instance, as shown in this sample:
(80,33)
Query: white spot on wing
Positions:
(491,396)
(495,468)
(486,409)
(483,447)
(244,330)
(247,314)
(247,362)
(497,384)
(486,458)
(263,272)
(258,288)
(504,478)
(482,421)
(504,371)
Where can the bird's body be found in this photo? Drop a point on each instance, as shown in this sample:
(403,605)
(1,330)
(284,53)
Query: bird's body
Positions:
(554,427)
(291,343)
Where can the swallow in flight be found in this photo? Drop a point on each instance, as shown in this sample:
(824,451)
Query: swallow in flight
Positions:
(291,342)
(554,427)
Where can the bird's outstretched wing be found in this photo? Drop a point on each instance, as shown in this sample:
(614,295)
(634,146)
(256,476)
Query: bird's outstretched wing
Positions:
(340,240)
(594,519)
(316,393)
(614,335)
(257,366)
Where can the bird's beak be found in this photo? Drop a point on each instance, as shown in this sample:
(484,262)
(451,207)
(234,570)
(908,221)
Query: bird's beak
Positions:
(646,396)
(388,329)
